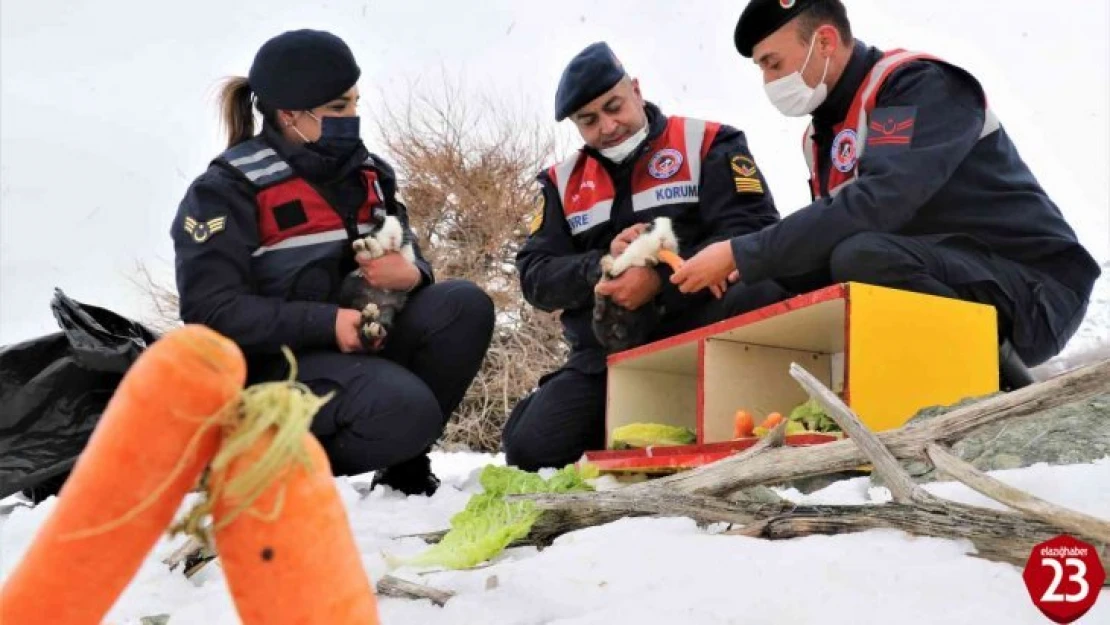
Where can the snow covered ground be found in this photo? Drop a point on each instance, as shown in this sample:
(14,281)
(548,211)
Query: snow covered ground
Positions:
(655,571)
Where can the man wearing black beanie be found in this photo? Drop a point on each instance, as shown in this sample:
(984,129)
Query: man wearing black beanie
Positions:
(916,185)
(264,239)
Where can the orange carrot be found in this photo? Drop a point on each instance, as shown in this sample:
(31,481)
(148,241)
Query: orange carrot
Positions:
(771,421)
(672,259)
(743,424)
(153,439)
(280,528)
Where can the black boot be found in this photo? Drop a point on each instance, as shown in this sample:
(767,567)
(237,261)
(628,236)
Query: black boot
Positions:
(1012,372)
(411,477)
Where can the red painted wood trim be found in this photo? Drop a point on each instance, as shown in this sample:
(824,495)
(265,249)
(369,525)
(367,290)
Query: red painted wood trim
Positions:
(700,420)
(687,456)
(836,291)
(723,447)
(846,393)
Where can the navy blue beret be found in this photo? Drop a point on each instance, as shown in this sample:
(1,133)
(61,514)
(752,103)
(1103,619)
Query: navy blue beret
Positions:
(763,17)
(591,72)
(302,69)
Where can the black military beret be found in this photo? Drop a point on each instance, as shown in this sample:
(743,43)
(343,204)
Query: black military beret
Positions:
(302,69)
(591,72)
(763,17)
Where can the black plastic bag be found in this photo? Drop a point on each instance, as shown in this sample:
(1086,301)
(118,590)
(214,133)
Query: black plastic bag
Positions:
(53,390)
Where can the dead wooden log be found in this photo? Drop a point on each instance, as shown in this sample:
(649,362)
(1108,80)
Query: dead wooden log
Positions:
(1012,545)
(776,466)
(390,586)
(996,535)
(964,472)
(901,485)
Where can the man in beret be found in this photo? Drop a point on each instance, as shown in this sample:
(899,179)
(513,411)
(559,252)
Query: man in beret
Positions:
(915,183)
(637,164)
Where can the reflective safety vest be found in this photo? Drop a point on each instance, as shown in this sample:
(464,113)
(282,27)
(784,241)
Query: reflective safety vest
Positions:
(671,177)
(851,135)
(297,227)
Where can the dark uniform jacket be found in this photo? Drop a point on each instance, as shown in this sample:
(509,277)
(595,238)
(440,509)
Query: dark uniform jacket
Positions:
(934,161)
(262,240)
(711,194)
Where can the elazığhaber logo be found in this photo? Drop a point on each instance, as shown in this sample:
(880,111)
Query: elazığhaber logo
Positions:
(1064,577)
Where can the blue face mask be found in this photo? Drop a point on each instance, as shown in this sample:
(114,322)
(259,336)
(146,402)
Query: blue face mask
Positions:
(339,136)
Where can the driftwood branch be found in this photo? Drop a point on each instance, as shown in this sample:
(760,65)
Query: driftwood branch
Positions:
(997,535)
(776,466)
(901,485)
(390,586)
(1001,492)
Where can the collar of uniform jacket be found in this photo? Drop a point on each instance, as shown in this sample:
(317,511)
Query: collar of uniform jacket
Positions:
(835,107)
(313,166)
(657,123)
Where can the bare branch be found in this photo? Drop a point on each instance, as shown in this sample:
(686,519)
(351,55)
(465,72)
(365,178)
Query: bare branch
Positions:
(975,479)
(901,485)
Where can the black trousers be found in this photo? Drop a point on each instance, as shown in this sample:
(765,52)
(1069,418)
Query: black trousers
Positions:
(391,407)
(565,416)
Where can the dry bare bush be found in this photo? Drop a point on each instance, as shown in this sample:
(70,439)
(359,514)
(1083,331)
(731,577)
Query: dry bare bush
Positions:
(467,167)
(163,301)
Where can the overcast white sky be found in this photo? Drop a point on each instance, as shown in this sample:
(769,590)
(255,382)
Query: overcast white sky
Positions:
(107,114)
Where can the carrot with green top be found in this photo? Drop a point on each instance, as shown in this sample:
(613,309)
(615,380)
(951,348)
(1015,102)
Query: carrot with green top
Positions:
(156,434)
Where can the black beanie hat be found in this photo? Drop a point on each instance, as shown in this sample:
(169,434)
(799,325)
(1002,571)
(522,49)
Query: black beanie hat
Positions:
(761,18)
(591,72)
(302,69)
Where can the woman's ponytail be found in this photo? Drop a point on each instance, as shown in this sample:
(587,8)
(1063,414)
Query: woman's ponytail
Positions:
(237,110)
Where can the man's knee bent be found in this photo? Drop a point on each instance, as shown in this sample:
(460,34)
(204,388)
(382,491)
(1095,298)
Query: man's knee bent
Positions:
(473,303)
(553,426)
(865,257)
(397,420)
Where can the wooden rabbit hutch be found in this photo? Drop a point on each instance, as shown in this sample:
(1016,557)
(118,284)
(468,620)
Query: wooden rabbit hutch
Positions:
(887,353)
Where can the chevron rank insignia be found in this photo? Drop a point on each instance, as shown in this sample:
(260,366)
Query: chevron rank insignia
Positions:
(745,175)
(201,231)
(536,220)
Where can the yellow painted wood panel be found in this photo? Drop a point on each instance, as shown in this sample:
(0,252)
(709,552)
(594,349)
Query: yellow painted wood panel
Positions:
(907,351)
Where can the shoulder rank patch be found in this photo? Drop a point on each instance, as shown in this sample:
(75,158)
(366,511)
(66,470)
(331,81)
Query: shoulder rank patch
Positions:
(891,128)
(745,174)
(539,207)
(201,231)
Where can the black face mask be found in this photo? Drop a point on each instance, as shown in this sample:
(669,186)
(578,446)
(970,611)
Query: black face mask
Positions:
(339,137)
(333,156)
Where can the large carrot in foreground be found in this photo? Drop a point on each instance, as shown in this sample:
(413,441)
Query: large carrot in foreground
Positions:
(280,528)
(156,434)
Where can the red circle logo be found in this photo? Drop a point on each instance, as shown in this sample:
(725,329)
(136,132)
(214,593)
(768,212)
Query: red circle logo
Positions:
(1064,577)
(844,152)
(665,163)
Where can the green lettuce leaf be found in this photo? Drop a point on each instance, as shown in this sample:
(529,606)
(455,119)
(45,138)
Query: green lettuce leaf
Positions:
(488,524)
(640,435)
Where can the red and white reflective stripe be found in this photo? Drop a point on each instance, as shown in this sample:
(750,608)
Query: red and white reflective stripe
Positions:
(680,191)
(864,102)
(562,174)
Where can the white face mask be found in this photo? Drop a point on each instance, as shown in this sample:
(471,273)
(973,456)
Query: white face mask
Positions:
(622,150)
(792,96)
